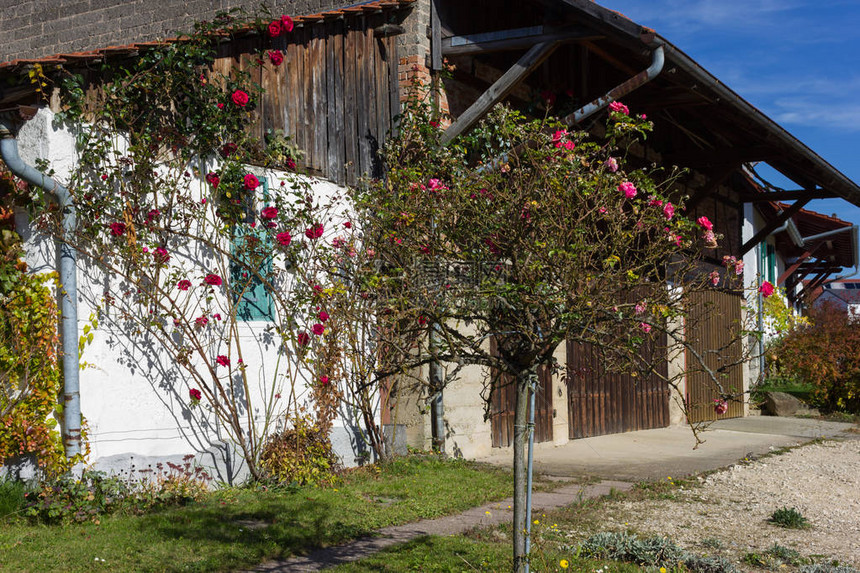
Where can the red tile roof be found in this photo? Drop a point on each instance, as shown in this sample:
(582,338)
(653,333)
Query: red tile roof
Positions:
(130,49)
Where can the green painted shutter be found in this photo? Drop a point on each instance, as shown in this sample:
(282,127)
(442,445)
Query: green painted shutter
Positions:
(251,248)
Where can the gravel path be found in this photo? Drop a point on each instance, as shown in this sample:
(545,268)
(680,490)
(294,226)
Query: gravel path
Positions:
(730,509)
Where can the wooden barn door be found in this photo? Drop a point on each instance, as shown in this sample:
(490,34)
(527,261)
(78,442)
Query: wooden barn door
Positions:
(503,400)
(601,402)
(713,328)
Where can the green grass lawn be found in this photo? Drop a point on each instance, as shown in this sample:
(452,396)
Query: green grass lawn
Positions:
(239,528)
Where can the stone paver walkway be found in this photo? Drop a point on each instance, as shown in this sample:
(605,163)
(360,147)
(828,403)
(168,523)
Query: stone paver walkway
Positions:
(489,514)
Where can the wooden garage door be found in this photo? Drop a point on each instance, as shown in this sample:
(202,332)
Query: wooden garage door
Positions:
(601,402)
(503,400)
(713,328)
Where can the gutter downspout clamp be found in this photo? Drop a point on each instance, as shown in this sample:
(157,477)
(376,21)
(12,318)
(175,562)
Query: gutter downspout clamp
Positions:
(68,283)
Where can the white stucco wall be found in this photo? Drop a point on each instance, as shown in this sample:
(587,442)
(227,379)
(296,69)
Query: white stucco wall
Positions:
(133,396)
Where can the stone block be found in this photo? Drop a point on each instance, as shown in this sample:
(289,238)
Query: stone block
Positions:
(781,404)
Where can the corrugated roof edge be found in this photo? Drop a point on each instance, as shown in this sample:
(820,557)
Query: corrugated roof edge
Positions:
(129,49)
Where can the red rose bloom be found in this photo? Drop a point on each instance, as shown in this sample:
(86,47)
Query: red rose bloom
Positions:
(324,380)
(314,232)
(269,213)
(303,338)
(201,321)
(117,229)
(228,149)
(212,279)
(184,284)
(286,23)
(222,360)
(276,57)
(240,98)
(275,28)
(251,182)
(284,238)
(195,394)
(323,316)
(318,329)
(160,255)
(213,179)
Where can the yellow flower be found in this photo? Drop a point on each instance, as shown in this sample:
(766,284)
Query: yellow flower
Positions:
(662,570)
(537,521)
(564,564)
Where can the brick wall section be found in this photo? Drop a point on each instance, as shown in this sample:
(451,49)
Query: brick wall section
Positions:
(38,28)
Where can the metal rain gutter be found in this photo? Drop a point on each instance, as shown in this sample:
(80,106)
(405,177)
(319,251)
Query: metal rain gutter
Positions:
(68,284)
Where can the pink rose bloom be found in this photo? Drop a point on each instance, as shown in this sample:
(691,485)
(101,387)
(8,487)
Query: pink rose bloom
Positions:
(216,316)
(269,213)
(314,232)
(715,277)
(240,98)
(640,307)
(117,229)
(201,321)
(195,394)
(612,164)
(766,289)
(160,255)
(222,360)
(212,280)
(324,380)
(435,185)
(602,210)
(739,268)
(303,338)
(276,57)
(710,239)
(213,179)
(558,136)
(569,145)
(286,23)
(274,28)
(654,202)
(251,182)
(646,328)
(284,238)
(619,107)
(323,316)
(318,329)
(720,406)
(668,211)
(705,223)
(184,284)
(628,189)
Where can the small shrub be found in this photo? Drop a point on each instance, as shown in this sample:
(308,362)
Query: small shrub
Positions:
(301,454)
(790,518)
(653,552)
(826,568)
(12,497)
(177,485)
(76,499)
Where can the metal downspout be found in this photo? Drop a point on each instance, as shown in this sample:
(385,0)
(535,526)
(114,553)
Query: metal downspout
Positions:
(658,58)
(68,285)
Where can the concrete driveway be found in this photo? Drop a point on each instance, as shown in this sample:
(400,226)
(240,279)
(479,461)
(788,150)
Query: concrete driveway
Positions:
(657,454)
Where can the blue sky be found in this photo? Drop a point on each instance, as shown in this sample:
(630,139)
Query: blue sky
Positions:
(798,61)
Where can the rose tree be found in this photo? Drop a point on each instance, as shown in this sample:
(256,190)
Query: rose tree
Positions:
(528,234)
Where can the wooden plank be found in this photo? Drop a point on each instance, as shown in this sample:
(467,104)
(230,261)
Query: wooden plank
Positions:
(380,90)
(274,91)
(350,111)
(362,98)
(308,120)
(319,96)
(337,135)
(771,225)
(435,37)
(393,84)
(516,39)
(502,87)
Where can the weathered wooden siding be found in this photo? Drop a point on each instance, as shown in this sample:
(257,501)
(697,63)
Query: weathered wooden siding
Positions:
(601,402)
(503,401)
(335,95)
(713,328)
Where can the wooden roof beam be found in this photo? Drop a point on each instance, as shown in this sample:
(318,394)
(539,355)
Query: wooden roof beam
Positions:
(797,264)
(497,92)
(772,225)
(787,195)
(514,39)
